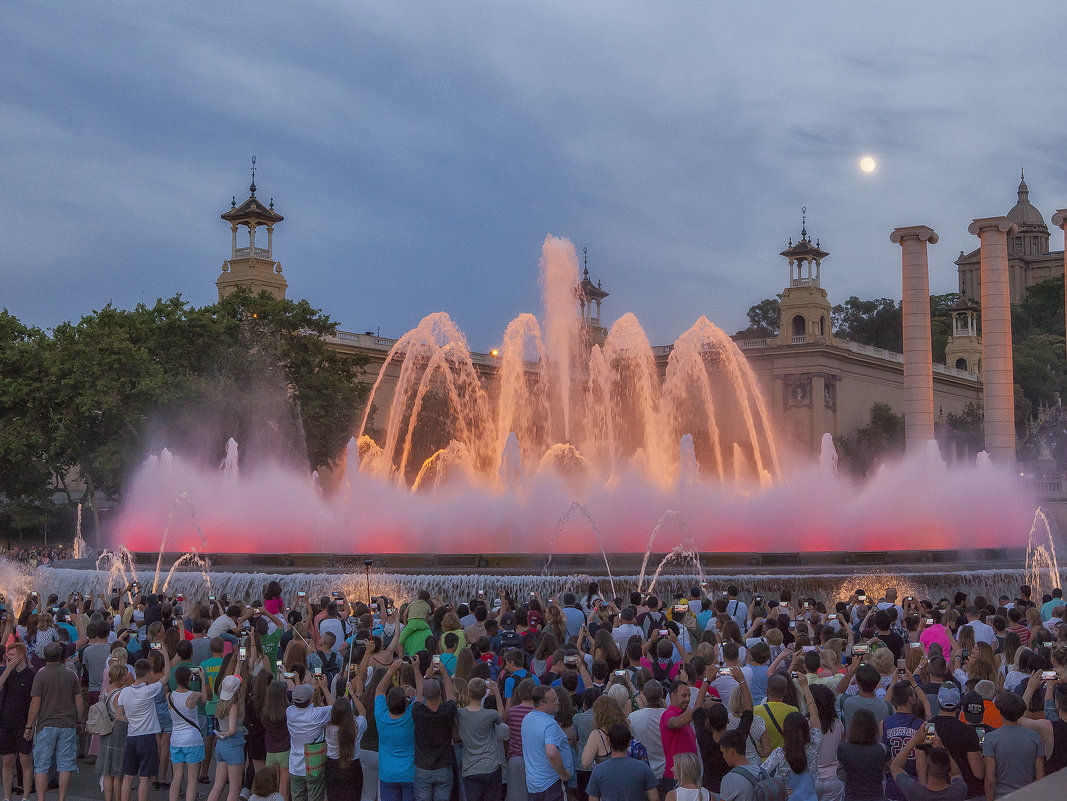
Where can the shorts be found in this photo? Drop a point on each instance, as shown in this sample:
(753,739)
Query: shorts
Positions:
(190,754)
(12,742)
(279,759)
(230,750)
(55,742)
(141,757)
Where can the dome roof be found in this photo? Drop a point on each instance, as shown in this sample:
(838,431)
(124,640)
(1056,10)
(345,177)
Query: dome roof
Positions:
(1024,213)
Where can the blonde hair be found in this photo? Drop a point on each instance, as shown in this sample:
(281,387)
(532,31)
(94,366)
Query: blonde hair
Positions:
(476,688)
(606,713)
(774,637)
(883,661)
(687,769)
(461,691)
(121,654)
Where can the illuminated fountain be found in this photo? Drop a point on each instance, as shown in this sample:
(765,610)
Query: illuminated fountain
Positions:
(558,416)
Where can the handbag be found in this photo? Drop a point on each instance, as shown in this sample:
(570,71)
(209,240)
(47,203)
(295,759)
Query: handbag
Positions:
(315,759)
(170,700)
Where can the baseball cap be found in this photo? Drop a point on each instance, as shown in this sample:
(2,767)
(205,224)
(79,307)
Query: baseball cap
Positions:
(302,693)
(229,687)
(986,689)
(948,697)
(973,708)
(507,619)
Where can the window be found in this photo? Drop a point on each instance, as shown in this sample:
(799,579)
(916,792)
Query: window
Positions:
(800,326)
(961,363)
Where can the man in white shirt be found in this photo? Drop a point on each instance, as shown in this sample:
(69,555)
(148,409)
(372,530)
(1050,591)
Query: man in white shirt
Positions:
(626,628)
(983,632)
(333,624)
(306,723)
(225,623)
(724,682)
(644,723)
(138,704)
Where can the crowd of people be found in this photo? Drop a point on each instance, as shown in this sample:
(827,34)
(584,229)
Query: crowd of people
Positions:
(699,696)
(37,555)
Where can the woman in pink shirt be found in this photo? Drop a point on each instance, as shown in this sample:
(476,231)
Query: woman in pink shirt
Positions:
(935,632)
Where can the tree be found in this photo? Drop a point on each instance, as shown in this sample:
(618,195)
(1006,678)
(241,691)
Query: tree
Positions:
(882,437)
(870,322)
(764,319)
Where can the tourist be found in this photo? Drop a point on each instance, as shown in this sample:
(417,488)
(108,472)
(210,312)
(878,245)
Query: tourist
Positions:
(868,680)
(644,724)
(16,693)
(348,723)
(1050,606)
(863,758)
(482,732)
(899,728)
(209,671)
(519,706)
(186,740)
(960,740)
(606,713)
(265,786)
(112,745)
(229,736)
(545,751)
(1052,726)
(396,739)
(774,709)
(1014,756)
(138,705)
(620,777)
(276,733)
(687,771)
(675,732)
(943,780)
(796,760)
(433,717)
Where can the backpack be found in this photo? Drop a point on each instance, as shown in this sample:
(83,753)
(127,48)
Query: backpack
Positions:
(662,675)
(637,751)
(100,720)
(766,788)
(509,639)
(330,667)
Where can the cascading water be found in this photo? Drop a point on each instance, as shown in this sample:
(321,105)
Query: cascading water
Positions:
(1042,567)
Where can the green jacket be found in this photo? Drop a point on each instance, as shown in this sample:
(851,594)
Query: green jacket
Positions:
(413,637)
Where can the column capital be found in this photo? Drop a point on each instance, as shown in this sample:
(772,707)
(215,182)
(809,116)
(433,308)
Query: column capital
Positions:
(985,223)
(923,233)
(1059,219)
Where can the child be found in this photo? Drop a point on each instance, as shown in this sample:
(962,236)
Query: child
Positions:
(687,770)
(265,785)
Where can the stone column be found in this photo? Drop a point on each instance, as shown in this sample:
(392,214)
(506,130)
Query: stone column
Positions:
(998,380)
(918,361)
(1060,219)
(818,412)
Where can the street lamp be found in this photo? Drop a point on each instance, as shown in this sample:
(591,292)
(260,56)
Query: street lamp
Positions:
(366,566)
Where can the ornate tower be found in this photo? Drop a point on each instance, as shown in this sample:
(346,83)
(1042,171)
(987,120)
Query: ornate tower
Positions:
(805,307)
(590,294)
(252,267)
(964,348)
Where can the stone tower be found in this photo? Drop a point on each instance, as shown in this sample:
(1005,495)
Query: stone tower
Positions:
(252,267)
(805,307)
(590,295)
(964,348)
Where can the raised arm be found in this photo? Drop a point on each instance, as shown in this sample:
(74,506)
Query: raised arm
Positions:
(387,678)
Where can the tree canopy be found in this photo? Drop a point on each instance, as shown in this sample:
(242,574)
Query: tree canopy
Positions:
(98,395)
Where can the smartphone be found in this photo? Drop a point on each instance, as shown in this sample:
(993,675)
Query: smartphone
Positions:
(374,607)
(317,671)
(352,669)
(481,593)
(915,645)
(681,609)
(726,672)
(1048,675)
(620,673)
(301,594)
(155,646)
(436,659)
(278,664)
(929,621)
(242,652)
(981,736)
(570,661)
(965,652)
(807,648)
(930,730)
(664,632)
(533,594)
(902,663)
(861,597)
(288,675)
(861,649)
(179,597)
(794,674)
(256,610)
(211,597)
(792,624)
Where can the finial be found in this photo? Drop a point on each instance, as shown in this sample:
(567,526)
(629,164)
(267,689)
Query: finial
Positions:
(272,204)
(233,201)
(803,223)
(585,256)
(252,186)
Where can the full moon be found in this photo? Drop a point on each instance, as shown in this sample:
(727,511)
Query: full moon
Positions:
(867,164)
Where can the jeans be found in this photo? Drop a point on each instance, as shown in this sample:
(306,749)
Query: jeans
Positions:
(483,786)
(553,793)
(433,785)
(516,779)
(830,789)
(306,788)
(394,791)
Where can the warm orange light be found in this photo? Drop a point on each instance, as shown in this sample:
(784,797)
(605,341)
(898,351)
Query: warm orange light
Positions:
(494,352)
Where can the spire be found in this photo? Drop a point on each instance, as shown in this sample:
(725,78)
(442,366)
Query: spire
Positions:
(252,186)
(803,223)
(1024,190)
(585,258)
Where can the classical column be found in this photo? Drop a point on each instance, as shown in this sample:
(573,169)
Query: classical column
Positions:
(918,361)
(1060,219)
(998,380)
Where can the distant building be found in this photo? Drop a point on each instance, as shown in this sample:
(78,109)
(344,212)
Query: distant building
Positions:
(1029,259)
(252,266)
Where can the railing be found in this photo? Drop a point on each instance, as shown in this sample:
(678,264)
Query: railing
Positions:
(746,344)
(804,282)
(1047,487)
(250,252)
(799,340)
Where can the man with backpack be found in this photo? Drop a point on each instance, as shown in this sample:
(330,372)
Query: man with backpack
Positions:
(515,670)
(746,782)
(326,658)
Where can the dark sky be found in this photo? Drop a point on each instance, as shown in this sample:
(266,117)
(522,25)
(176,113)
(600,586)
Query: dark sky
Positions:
(420,152)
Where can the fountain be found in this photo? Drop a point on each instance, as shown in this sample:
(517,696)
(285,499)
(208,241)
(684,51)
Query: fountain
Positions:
(1042,567)
(557,417)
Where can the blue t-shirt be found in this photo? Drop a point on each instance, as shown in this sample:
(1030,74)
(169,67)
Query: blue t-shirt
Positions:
(515,678)
(538,730)
(449,661)
(757,684)
(396,743)
(581,684)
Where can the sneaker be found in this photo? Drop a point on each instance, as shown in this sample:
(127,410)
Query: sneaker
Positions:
(245,793)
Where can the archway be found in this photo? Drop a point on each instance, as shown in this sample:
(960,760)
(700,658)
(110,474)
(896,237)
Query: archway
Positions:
(800,326)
